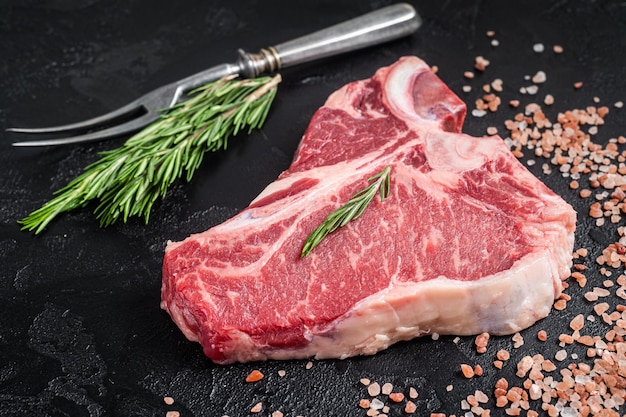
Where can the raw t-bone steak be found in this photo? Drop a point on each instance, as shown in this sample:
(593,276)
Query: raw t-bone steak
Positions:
(468,240)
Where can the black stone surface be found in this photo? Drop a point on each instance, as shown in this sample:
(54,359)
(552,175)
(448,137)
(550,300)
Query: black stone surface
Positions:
(81,331)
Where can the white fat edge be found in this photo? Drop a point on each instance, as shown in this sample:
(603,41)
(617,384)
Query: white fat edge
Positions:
(525,278)
(528,283)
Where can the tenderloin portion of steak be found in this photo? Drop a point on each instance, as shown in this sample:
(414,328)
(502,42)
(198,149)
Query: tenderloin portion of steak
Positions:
(468,240)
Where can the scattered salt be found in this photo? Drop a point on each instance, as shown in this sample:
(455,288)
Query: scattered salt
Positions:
(560,355)
(465,405)
(569,412)
(373,389)
(539,77)
(377,404)
(387,388)
(532,90)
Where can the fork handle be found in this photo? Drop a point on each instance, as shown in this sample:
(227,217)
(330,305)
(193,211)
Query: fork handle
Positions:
(373,28)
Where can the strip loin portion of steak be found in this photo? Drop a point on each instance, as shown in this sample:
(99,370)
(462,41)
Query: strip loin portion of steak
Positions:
(468,240)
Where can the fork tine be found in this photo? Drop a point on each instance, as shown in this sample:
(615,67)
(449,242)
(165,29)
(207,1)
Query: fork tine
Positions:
(128,127)
(110,117)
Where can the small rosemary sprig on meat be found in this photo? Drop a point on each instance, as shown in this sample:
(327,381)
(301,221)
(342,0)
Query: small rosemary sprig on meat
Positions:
(129,179)
(352,210)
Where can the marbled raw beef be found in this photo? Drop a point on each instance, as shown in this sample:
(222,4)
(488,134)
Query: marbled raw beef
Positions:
(468,240)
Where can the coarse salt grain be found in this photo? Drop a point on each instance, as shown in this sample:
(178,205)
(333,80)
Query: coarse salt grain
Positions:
(524,365)
(503,355)
(481,342)
(387,388)
(539,77)
(254,376)
(468,371)
(481,397)
(532,90)
(548,100)
(480,63)
(377,404)
(561,355)
(373,389)
(538,47)
(601,292)
(257,407)
(396,397)
(465,405)
(577,322)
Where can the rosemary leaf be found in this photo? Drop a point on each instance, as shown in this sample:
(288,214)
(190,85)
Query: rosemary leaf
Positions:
(352,210)
(128,180)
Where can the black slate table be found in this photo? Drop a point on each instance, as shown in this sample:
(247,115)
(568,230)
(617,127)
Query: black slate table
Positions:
(81,332)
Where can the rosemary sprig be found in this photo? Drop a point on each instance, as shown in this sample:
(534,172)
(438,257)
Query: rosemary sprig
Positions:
(128,180)
(351,210)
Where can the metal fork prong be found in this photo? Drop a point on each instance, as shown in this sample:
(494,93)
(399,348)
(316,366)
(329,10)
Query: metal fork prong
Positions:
(129,127)
(92,123)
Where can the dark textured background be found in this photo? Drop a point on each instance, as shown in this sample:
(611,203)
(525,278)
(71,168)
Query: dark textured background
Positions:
(81,332)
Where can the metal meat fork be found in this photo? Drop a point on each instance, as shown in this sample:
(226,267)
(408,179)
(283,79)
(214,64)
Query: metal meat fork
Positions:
(379,26)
